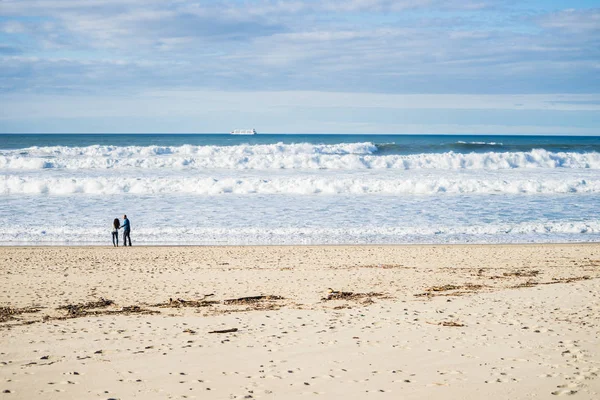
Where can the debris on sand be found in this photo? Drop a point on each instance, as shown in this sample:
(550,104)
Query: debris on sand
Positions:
(81,309)
(386,266)
(522,273)
(9,313)
(453,290)
(447,323)
(339,295)
(567,280)
(177,303)
(252,299)
(132,310)
(450,323)
(225,330)
(91,309)
(531,283)
(429,295)
(442,288)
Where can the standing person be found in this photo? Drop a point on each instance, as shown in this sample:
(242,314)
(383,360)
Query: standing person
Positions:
(126,231)
(115,232)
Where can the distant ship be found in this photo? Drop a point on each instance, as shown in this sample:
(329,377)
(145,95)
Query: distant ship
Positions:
(243,132)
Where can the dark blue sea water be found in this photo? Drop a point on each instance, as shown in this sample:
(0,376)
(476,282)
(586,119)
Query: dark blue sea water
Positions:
(387,144)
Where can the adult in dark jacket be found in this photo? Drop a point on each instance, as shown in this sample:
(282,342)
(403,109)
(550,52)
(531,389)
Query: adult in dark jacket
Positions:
(126,230)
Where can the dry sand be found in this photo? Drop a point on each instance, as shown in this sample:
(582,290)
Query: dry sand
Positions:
(409,322)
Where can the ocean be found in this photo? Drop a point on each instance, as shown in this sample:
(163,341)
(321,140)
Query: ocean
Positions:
(299,189)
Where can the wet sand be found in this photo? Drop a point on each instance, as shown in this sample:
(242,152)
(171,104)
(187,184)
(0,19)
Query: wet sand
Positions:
(411,322)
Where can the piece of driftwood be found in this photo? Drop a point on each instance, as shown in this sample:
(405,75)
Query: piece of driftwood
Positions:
(225,330)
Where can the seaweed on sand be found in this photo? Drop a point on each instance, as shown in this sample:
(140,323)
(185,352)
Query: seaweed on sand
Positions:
(10,313)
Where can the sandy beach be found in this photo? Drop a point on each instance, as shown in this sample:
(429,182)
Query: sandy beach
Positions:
(352,322)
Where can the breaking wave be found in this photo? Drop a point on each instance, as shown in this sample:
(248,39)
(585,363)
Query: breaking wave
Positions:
(300,185)
(345,156)
(489,233)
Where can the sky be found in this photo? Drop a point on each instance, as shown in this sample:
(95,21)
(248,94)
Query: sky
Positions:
(300,66)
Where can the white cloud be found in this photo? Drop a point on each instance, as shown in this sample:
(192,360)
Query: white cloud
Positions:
(573,20)
(121,47)
(12,27)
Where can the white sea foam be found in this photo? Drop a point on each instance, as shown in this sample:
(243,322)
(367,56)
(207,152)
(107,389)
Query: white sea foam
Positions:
(299,193)
(481,143)
(351,156)
(304,185)
(186,150)
(298,235)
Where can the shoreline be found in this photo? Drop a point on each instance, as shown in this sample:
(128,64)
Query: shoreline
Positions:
(94,246)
